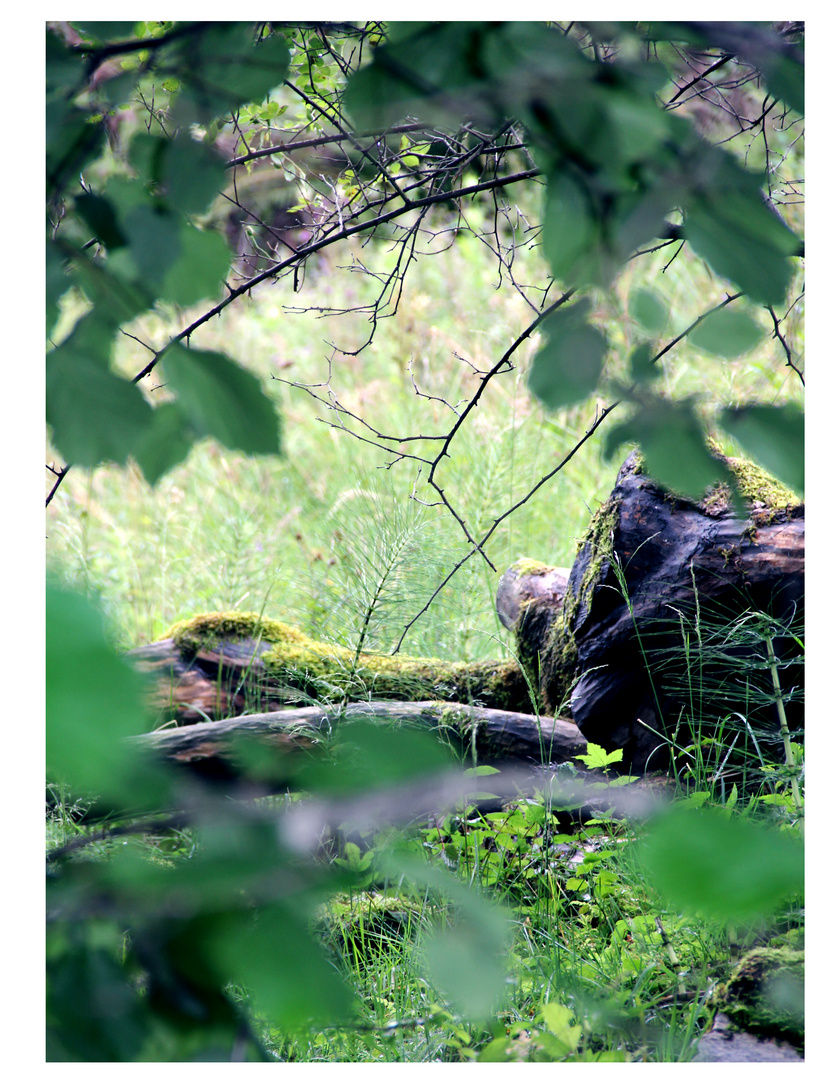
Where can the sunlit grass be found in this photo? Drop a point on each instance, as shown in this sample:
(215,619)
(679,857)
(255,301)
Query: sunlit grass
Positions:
(223,531)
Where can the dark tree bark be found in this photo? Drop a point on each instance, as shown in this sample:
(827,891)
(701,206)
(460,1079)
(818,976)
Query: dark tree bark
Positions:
(605,647)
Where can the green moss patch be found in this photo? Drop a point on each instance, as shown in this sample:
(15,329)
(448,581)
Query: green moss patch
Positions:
(208,631)
(329,672)
(561,655)
(764,994)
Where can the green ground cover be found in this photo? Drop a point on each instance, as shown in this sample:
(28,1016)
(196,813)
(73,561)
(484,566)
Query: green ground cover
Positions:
(598,965)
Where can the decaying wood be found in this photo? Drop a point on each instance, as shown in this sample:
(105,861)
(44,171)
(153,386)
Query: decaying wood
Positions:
(215,749)
(650,564)
(650,560)
(206,673)
(530,584)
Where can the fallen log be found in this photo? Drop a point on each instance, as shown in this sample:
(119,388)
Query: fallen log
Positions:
(606,644)
(654,576)
(227,663)
(215,750)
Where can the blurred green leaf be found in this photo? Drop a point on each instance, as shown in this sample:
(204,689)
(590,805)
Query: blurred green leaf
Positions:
(272,953)
(100,32)
(203,263)
(647,308)
(727,333)
(436,73)
(571,230)
(672,441)
(367,755)
(641,367)
(165,442)
(193,176)
(64,67)
(93,701)
(726,867)
(774,435)
(94,414)
(186,173)
(73,140)
(92,1014)
(222,66)
(786,78)
(154,238)
(223,400)
(568,365)
(100,214)
(729,224)
(466,962)
(57,283)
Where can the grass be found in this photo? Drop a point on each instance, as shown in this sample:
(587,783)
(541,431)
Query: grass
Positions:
(328,539)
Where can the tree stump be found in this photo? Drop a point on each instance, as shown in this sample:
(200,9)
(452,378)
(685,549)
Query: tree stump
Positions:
(654,576)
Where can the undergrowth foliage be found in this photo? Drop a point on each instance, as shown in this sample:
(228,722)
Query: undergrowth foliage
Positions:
(335,313)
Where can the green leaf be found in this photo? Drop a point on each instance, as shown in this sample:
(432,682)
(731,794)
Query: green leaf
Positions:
(646,307)
(570,226)
(730,225)
(184,172)
(221,67)
(434,72)
(192,175)
(272,953)
(727,333)
(165,442)
(222,400)
(466,962)
(369,755)
(641,367)
(94,414)
(72,141)
(673,444)
(57,283)
(94,699)
(727,868)
(101,32)
(92,1011)
(567,367)
(785,76)
(596,757)
(202,265)
(100,215)
(773,436)
(154,242)
(481,770)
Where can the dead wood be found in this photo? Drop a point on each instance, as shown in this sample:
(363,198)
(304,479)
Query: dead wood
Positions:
(215,750)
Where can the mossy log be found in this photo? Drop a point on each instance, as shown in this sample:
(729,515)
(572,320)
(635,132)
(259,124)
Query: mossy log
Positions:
(603,642)
(224,749)
(227,663)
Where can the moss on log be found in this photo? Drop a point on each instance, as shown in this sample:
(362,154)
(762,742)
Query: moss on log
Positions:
(650,564)
(227,663)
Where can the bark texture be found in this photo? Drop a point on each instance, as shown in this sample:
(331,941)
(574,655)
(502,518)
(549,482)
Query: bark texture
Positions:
(652,569)
(220,750)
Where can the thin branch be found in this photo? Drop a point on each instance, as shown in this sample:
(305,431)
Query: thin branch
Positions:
(703,75)
(59,475)
(331,238)
(789,362)
(502,364)
(323,140)
(727,300)
(594,426)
